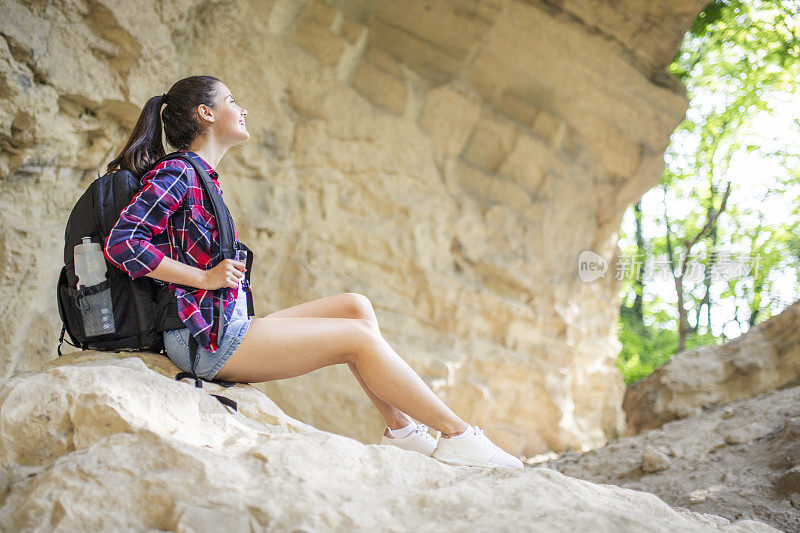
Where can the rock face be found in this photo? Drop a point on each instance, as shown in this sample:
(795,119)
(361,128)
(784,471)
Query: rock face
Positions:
(448,159)
(740,460)
(765,358)
(112,442)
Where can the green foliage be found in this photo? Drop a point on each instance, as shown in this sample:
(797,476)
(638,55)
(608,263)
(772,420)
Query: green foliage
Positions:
(736,57)
(711,14)
(646,348)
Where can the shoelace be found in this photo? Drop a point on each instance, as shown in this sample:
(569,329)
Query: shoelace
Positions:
(479,432)
(422,428)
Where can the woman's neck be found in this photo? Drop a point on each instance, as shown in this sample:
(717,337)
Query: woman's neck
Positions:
(209,150)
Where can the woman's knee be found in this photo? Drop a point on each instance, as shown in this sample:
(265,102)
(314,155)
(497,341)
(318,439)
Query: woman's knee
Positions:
(369,339)
(360,306)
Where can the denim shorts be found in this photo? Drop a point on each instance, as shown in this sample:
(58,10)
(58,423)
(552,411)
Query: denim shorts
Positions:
(176,342)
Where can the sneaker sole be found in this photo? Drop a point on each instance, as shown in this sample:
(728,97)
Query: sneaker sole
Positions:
(390,443)
(463,460)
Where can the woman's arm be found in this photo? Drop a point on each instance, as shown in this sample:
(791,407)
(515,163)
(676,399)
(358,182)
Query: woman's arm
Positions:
(179,273)
(128,243)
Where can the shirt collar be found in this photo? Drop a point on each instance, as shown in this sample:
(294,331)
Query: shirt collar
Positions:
(209,169)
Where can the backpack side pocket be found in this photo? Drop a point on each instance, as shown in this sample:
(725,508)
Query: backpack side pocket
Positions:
(68,310)
(97,311)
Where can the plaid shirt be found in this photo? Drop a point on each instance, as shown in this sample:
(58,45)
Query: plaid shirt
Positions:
(172,199)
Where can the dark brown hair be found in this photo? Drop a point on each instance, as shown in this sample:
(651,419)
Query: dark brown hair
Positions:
(181,125)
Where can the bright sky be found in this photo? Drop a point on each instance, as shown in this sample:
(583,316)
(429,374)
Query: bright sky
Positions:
(751,174)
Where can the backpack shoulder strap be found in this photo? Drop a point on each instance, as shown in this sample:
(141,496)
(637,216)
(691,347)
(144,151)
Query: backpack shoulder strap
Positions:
(221,213)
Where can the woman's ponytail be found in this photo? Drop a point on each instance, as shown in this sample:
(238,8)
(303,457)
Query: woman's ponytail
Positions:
(181,126)
(144,146)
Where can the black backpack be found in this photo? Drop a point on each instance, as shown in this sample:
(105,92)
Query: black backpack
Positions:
(143,308)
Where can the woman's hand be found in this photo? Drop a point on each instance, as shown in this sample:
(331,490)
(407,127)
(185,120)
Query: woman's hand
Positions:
(226,274)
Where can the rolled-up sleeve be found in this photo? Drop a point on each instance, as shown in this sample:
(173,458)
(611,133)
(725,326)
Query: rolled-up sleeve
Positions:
(128,244)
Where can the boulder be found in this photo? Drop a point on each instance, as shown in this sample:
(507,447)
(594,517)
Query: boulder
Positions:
(764,359)
(113,442)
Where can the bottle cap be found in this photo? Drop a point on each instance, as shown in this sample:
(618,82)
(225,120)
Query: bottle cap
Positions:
(87,246)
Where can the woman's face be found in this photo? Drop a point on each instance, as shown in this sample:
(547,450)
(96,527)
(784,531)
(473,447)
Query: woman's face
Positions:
(229,118)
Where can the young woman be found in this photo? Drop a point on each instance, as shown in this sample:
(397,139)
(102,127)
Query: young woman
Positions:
(168,233)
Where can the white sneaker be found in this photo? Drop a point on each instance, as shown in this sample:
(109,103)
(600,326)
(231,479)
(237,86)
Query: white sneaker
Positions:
(474,449)
(418,440)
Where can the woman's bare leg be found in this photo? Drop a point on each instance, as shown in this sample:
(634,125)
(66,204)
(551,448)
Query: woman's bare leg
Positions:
(278,347)
(349,305)
(396,383)
(352,305)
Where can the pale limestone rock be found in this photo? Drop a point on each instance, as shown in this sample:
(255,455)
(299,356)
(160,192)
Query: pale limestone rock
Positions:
(449,160)
(104,442)
(737,436)
(654,460)
(765,358)
(449,116)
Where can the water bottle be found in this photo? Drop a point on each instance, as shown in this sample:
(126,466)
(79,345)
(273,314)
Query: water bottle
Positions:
(93,301)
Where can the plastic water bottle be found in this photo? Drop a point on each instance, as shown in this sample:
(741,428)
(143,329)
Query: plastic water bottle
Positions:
(93,300)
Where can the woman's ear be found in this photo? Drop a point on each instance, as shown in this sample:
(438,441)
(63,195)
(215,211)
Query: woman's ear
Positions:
(205,113)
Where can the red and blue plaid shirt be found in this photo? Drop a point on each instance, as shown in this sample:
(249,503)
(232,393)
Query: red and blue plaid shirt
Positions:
(171,216)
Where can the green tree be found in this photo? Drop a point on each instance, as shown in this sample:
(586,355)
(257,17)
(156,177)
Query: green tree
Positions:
(737,56)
